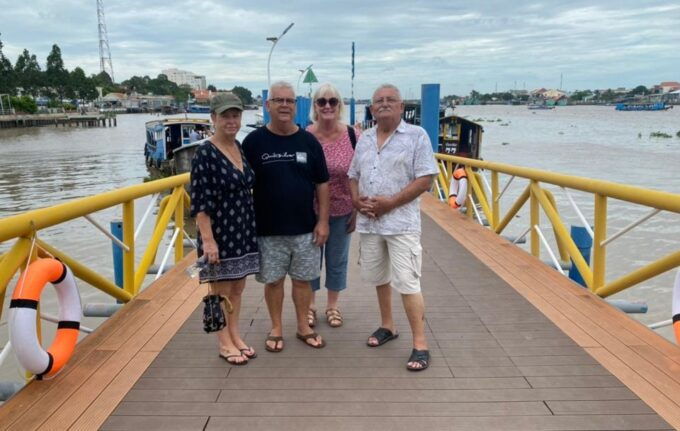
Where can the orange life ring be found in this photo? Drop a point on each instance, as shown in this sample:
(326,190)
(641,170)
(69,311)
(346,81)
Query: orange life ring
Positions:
(676,308)
(458,188)
(23,317)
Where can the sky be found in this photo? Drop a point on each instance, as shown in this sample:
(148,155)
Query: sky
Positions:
(483,45)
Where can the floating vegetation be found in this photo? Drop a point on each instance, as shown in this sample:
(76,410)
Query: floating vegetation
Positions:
(659,135)
(505,143)
(560,133)
(640,135)
(507,124)
(678,134)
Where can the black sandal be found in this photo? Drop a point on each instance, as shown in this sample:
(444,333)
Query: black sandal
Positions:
(383,335)
(421,357)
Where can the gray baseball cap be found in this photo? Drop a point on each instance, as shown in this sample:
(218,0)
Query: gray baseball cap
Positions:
(223,101)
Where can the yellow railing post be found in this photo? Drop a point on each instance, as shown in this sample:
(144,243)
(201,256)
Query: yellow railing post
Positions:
(156,237)
(599,235)
(560,244)
(495,203)
(129,240)
(534,220)
(11,264)
(519,203)
(179,224)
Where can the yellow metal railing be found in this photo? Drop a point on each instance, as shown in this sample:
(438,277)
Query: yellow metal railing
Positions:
(26,226)
(539,198)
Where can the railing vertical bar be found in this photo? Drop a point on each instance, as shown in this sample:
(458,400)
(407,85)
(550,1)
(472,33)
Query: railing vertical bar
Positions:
(129,239)
(166,255)
(580,215)
(599,250)
(500,195)
(152,203)
(550,252)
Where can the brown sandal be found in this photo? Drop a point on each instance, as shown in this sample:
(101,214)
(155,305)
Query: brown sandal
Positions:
(275,339)
(311,317)
(229,357)
(334,318)
(313,335)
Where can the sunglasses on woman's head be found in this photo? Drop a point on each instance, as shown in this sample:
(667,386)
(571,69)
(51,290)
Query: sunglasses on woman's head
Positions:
(321,102)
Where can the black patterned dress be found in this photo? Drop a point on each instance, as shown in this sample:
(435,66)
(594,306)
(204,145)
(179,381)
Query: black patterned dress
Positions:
(223,192)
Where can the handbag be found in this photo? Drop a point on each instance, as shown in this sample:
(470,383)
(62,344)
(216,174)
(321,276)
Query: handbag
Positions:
(215,308)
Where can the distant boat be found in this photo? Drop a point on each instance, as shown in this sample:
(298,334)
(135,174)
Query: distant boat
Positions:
(198,109)
(539,106)
(658,106)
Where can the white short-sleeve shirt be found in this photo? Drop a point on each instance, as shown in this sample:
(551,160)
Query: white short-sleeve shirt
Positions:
(406,155)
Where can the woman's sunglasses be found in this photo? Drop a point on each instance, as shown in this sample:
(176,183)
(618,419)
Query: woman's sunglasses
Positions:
(321,102)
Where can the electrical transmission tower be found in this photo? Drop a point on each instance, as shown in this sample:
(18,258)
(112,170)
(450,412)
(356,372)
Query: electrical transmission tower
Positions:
(105,63)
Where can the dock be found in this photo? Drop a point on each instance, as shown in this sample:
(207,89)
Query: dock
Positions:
(56,120)
(514,344)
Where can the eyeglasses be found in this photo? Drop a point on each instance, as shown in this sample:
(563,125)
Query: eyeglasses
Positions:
(322,101)
(281,101)
(387,100)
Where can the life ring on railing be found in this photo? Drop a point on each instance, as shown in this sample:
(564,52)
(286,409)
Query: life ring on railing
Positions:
(22,317)
(458,188)
(676,308)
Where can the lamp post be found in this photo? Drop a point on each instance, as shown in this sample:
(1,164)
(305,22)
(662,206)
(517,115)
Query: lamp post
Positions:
(274,40)
(302,72)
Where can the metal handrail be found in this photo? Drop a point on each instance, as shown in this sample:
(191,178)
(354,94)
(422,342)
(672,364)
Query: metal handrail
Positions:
(538,198)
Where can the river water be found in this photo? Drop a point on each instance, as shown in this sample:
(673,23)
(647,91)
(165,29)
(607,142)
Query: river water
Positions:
(41,167)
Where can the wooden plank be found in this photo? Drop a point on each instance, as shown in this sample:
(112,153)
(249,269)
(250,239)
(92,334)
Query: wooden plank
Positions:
(568,298)
(649,393)
(108,399)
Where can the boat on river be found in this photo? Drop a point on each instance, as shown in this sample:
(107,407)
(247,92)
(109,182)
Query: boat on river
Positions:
(656,106)
(165,136)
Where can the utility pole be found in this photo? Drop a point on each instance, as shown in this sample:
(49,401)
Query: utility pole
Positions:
(104,50)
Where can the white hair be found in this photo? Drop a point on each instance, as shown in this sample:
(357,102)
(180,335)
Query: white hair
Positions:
(323,90)
(280,84)
(391,87)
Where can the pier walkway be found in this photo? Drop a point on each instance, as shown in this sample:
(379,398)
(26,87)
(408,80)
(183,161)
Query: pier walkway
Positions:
(515,346)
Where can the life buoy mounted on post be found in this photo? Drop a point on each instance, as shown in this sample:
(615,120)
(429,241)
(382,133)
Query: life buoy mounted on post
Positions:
(676,308)
(23,314)
(458,188)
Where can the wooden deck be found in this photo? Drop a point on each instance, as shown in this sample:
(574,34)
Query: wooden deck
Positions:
(515,346)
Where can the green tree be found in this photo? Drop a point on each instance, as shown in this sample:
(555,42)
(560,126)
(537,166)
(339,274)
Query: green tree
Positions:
(29,75)
(7,75)
(24,104)
(82,86)
(640,90)
(138,84)
(55,73)
(244,94)
(181,94)
(212,88)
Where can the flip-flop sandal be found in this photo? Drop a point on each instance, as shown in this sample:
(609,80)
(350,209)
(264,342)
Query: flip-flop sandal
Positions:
(383,335)
(334,318)
(304,339)
(275,339)
(246,352)
(233,355)
(421,357)
(311,318)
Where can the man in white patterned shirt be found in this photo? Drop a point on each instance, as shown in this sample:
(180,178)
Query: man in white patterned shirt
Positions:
(393,165)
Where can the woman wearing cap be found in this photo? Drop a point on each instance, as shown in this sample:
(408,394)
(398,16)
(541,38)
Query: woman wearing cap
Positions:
(338,141)
(221,201)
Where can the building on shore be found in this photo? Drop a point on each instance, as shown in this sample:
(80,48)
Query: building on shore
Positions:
(134,102)
(184,77)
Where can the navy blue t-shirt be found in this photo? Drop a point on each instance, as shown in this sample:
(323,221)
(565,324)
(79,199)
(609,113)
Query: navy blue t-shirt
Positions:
(287,170)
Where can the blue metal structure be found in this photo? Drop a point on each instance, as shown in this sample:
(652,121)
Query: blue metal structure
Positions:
(430,113)
(584,243)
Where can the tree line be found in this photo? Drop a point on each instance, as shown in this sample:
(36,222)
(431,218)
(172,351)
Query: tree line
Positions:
(58,84)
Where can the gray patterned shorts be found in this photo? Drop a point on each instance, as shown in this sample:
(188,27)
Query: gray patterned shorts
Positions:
(295,255)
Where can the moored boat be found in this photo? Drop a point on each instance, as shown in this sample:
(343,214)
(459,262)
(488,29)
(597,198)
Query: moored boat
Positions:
(165,136)
(657,106)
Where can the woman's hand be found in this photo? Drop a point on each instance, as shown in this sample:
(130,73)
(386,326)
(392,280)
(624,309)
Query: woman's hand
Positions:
(210,251)
(352,222)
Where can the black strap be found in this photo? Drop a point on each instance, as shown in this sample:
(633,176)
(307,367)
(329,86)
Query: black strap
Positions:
(352,136)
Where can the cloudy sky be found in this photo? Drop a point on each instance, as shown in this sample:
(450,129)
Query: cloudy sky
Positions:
(480,45)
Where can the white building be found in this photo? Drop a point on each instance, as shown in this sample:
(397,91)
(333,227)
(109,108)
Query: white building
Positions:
(184,77)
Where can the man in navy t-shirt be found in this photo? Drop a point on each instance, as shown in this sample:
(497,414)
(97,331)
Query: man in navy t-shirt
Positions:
(290,170)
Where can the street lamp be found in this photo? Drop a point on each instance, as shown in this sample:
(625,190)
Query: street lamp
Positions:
(302,72)
(274,40)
